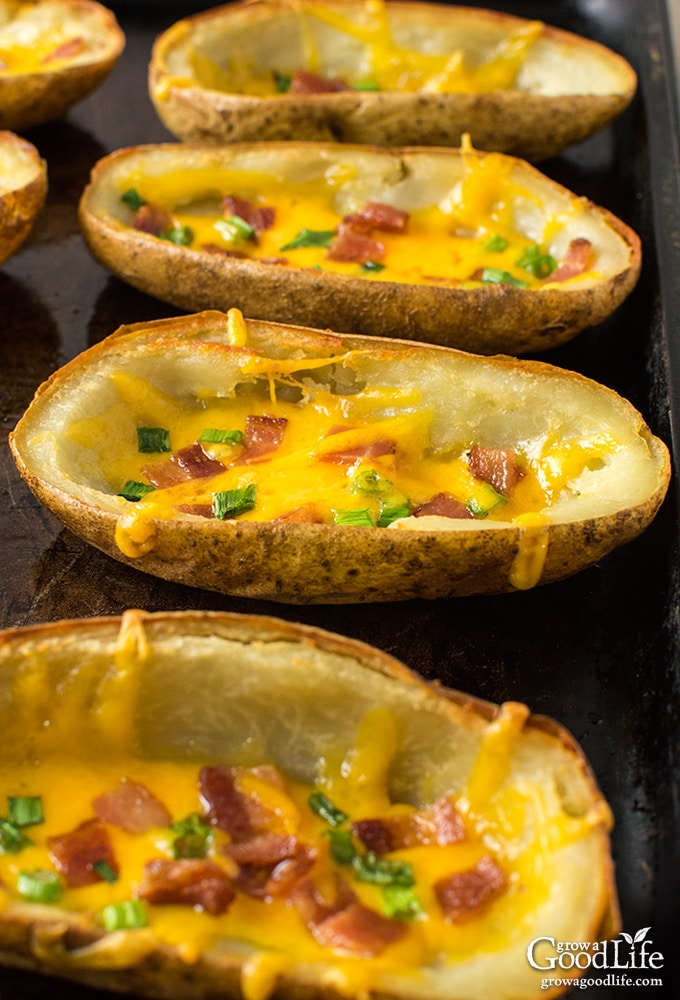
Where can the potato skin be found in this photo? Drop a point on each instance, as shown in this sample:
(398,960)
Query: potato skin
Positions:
(532,125)
(318,563)
(493,318)
(20,205)
(66,944)
(30,99)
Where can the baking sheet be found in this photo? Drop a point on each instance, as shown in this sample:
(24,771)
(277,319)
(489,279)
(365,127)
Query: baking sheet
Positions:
(599,652)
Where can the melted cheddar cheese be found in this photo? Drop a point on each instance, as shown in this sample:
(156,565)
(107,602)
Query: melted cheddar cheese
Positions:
(34,42)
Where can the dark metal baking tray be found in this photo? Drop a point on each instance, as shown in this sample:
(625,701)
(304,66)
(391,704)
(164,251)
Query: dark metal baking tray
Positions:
(600,651)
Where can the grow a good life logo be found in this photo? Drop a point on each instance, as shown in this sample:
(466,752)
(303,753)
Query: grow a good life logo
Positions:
(628,960)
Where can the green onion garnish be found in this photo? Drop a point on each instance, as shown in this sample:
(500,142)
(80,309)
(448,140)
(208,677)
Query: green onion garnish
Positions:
(12,840)
(39,886)
(310,238)
(495,276)
(134,491)
(360,518)
(105,871)
(133,199)
(484,501)
(153,439)
(234,228)
(125,916)
(282,82)
(323,807)
(216,436)
(181,236)
(193,838)
(392,511)
(382,871)
(496,244)
(372,265)
(25,810)
(343,850)
(370,481)
(366,85)
(400,902)
(539,264)
(231,503)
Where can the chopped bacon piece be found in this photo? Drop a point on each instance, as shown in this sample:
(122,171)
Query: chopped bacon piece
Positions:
(73,47)
(358,930)
(265,849)
(199,509)
(188,881)
(443,505)
(352,247)
(439,823)
(154,219)
(306,82)
(188,463)
(377,215)
(463,894)
(260,217)
(314,906)
(241,815)
(261,436)
(270,864)
(308,513)
(132,807)
(373,449)
(75,853)
(576,260)
(497,466)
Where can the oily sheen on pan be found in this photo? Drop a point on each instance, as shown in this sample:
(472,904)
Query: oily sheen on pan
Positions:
(456,247)
(393,74)
(292,465)
(53,53)
(311,819)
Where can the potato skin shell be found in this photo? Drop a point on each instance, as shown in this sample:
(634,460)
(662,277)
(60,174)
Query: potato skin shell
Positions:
(531,126)
(20,206)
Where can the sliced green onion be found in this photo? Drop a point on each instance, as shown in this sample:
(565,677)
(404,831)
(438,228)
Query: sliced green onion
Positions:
(12,840)
(401,903)
(105,871)
(392,511)
(182,236)
(360,518)
(234,228)
(282,82)
(495,276)
(373,265)
(133,199)
(310,238)
(216,436)
(231,503)
(39,886)
(343,850)
(484,501)
(496,244)
(323,807)
(25,810)
(366,85)
(370,481)
(539,264)
(193,839)
(125,916)
(134,491)
(382,871)
(153,439)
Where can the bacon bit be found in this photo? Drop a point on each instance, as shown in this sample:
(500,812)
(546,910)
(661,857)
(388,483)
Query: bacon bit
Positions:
(222,251)
(263,850)
(189,882)
(131,807)
(352,247)
(75,853)
(463,894)
(188,463)
(576,261)
(199,509)
(154,219)
(242,816)
(270,864)
(261,436)
(306,82)
(439,823)
(308,513)
(377,215)
(260,217)
(314,906)
(359,931)
(443,505)
(73,47)
(497,466)
(349,455)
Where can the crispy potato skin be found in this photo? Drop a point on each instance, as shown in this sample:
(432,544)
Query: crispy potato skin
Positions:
(533,126)
(30,99)
(493,318)
(317,563)
(20,205)
(40,939)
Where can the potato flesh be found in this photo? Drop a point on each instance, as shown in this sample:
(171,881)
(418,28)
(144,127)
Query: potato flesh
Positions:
(19,164)
(30,33)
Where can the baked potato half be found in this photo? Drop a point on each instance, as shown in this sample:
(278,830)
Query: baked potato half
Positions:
(53,53)
(291,465)
(472,250)
(392,74)
(311,819)
(23,187)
